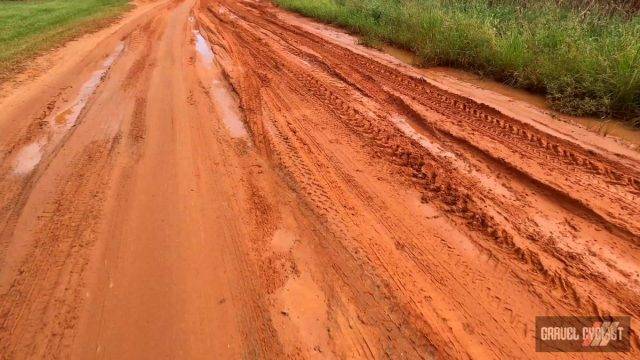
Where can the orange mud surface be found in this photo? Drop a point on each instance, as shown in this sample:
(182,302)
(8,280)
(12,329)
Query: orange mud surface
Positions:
(223,179)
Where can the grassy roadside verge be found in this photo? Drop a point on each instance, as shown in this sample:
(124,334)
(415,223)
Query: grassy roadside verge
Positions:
(585,60)
(29,27)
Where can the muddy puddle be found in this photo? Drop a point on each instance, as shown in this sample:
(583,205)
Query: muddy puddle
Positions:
(203,49)
(222,95)
(30,156)
(68,117)
(228,107)
(604,127)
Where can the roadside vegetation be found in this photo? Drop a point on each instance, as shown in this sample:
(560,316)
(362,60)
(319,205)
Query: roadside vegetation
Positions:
(583,55)
(30,27)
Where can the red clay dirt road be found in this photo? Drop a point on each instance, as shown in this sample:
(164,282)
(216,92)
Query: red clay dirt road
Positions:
(221,179)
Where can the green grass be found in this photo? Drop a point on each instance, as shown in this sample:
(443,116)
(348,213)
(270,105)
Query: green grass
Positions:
(29,27)
(585,59)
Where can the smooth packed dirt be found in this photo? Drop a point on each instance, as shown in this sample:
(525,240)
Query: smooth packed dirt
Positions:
(222,179)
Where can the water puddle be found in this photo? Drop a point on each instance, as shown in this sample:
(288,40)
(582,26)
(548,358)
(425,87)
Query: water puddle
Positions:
(65,119)
(405,56)
(28,158)
(221,93)
(227,106)
(203,49)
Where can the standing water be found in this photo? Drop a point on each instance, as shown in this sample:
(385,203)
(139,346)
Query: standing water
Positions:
(222,95)
(30,156)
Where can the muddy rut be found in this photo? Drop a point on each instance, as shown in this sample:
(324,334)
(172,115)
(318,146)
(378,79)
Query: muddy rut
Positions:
(222,178)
